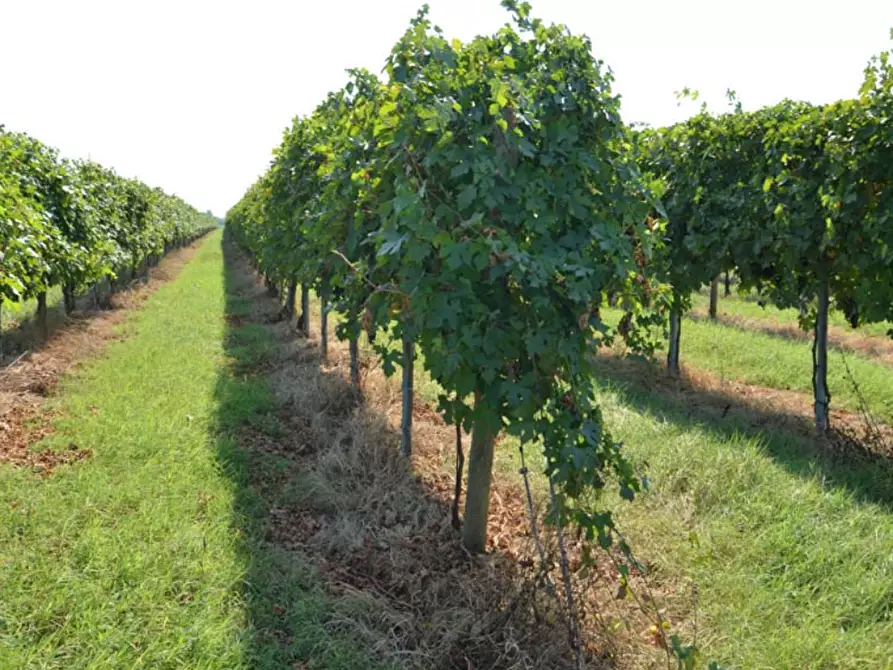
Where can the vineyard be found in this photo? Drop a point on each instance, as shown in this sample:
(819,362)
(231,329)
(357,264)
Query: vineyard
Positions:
(70,225)
(477,375)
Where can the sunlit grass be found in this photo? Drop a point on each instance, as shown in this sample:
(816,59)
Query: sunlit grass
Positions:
(748,307)
(150,554)
(763,359)
(790,552)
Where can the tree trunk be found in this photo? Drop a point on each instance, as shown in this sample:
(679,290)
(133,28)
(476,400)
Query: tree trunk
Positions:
(728,282)
(820,363)
(460,466)
(290,300)
(477,494)
(714,297)
(406,421)
(42,325)
(68,298)
(675,333)
(1,332)
(305,310)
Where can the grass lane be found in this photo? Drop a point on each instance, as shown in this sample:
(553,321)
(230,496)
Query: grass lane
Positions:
(740,306)
(150,554)
(790,549)
(762,359)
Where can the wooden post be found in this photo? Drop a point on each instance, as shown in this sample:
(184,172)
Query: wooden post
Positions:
(354,357)
(290,300)
(675,335)
(305,310)
(68,298)
(42,324)
(820,363)
(324,319)
(406,421)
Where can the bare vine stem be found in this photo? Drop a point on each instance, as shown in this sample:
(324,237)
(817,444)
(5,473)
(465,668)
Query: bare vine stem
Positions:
(534,529)
(572,624)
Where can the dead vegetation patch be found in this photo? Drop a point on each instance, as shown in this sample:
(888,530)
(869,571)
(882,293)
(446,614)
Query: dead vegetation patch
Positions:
(35,375)
(378,530)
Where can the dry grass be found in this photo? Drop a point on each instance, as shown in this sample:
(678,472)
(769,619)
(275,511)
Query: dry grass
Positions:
(31,378)
(378,529)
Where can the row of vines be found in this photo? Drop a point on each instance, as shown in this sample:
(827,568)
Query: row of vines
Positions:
(477,204)
(75,223)
(481,201)
(796,199)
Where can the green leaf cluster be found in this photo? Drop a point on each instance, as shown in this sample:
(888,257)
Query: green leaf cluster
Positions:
(75,222)
(790,197)
(480,198)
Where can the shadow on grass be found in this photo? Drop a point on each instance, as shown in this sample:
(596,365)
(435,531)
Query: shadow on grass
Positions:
(351,561)
(788,438)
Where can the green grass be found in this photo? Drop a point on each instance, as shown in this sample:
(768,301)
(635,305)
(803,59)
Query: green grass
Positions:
(740,306)
(151,554)
(791,551)
(763,359)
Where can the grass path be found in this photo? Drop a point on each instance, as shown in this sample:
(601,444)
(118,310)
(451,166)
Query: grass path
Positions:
(148,555)
(791,549)
(739,306)
(761,359)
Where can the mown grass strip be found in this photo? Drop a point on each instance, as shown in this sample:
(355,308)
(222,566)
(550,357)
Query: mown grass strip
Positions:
(741,306)
(148,555)
(789,547)
(762,359)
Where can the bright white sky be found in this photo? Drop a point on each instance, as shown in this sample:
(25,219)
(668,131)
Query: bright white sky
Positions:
(192,95)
